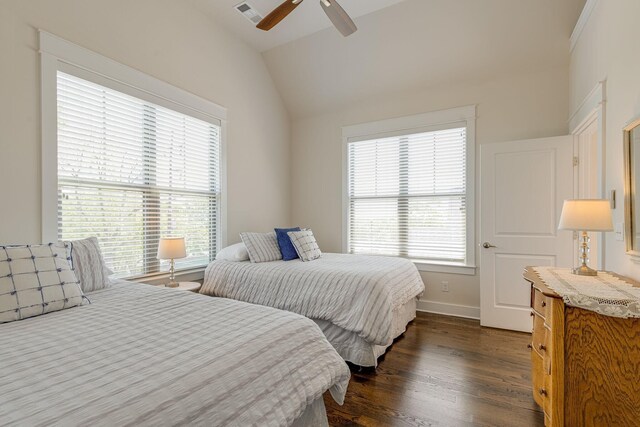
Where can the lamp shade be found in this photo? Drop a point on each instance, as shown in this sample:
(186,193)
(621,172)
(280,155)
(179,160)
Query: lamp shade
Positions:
(172,248)
(586,215)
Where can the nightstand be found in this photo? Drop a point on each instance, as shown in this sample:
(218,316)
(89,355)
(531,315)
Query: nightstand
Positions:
(188,286)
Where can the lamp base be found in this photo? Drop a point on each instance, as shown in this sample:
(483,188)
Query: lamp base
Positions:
(584,270)
(172,276)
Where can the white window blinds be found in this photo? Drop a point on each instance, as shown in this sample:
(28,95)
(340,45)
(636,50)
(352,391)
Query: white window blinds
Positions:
(130,171)
(407,196)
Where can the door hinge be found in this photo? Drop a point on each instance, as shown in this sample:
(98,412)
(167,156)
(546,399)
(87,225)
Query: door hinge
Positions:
(576,161)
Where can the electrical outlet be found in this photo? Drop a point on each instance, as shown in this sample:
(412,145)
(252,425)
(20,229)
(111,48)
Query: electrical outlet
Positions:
(444,286)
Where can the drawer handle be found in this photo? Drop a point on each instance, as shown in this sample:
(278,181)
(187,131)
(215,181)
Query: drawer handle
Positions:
(531,314)
(542,347)
(544,303)
(529,346)
(543,392)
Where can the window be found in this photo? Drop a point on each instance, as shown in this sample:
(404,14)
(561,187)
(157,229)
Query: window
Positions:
(408,192)
(128,159)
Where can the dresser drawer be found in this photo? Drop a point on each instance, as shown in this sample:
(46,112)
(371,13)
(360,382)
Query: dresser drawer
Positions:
(539,335)
(540,303)
(538,378)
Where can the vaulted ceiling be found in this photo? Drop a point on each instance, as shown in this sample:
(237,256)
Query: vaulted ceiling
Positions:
(401,45)
(418,44)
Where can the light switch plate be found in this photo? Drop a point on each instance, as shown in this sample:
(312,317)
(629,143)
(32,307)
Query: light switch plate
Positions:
(619,231)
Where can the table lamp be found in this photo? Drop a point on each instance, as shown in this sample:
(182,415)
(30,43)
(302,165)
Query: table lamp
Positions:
(172,248)
(586,215)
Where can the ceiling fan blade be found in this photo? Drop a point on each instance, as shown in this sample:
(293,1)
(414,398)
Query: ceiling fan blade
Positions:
(339,17)
(278,14)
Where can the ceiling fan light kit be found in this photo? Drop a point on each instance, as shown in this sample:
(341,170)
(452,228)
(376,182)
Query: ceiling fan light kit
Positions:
(340,19)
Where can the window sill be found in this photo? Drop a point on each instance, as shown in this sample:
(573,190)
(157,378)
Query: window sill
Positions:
(449,268)
(189,275)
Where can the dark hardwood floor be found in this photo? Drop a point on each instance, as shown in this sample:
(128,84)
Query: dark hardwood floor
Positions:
(444,371)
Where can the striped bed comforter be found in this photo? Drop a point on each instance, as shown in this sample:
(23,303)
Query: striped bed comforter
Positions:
(140,355)
(356,292)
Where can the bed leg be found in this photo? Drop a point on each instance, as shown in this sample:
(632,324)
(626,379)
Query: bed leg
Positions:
(357,369)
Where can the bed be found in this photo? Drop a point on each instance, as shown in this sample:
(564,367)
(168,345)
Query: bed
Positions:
(361,303)
(143,355)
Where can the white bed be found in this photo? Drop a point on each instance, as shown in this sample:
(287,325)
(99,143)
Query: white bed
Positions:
(141,355)
(361,303)
(355,349)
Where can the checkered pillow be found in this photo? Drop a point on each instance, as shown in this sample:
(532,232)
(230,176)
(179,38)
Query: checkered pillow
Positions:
(34,280)
(305,244)
(262,247)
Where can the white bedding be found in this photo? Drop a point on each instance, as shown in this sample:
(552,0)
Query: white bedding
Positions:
(356,350)
(355,292)
(140,355)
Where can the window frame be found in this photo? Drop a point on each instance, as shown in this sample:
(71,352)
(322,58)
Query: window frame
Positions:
(57,54)
(426,122)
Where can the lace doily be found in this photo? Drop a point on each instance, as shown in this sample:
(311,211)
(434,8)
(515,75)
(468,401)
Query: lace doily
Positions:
(604,293)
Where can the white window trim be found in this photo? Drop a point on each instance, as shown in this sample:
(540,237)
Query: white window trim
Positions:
(414,124)
(57,54)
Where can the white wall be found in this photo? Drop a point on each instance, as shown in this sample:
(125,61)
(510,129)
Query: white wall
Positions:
(415,57)
(608,49)
(405,60)
(168,40)
(417,45)
(509,108)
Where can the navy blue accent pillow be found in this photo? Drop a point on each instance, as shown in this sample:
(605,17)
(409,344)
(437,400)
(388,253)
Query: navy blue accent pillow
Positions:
(284,242)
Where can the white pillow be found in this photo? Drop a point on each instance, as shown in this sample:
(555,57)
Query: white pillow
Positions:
(305,244)
(235,253)
(35,280)
(88,264)
(262,247)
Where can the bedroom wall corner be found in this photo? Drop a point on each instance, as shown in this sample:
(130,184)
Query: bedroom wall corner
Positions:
(416,57)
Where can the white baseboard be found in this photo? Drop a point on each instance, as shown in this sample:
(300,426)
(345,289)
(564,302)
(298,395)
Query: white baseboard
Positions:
(447,309)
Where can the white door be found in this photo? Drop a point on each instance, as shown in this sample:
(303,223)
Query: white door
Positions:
(522,187)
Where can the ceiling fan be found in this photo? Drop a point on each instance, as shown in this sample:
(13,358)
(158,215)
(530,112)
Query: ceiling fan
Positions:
(334,11)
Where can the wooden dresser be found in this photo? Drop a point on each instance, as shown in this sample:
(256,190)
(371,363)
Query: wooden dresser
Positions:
(585,366)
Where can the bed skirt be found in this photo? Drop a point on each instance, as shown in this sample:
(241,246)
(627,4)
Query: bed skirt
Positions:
(314,416)
(355,349)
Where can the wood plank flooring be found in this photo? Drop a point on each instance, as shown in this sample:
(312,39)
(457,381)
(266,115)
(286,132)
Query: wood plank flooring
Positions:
(444,371)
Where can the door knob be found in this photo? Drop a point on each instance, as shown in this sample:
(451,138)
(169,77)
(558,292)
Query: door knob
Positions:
(487,245)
